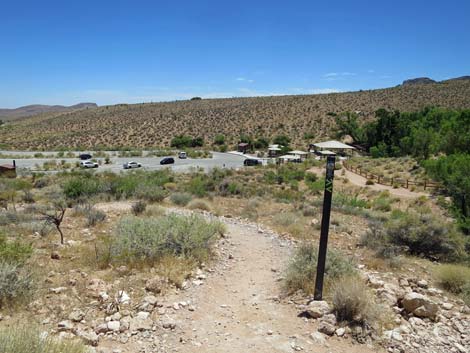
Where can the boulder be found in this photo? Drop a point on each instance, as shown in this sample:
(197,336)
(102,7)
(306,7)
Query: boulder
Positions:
(114,326)
(419,305)
(316,309)
(327,325)
(77,315)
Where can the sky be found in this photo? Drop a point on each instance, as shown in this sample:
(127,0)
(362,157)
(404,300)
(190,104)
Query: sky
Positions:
(108,52)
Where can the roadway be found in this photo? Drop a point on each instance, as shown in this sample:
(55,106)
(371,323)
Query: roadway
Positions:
(219,160)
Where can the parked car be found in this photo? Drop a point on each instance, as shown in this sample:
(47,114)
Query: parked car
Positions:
(182,155)
(88,164)
(85,156)
(131,164)
(167,160)
(251,162)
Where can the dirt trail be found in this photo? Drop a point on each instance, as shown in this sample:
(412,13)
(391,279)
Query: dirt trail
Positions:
(361,181)
(238,307)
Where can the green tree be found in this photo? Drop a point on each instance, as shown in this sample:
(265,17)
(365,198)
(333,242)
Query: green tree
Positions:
(454,171)
(219,139)
(347,124)
(282,140)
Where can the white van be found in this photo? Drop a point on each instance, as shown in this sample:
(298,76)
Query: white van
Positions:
(182,155)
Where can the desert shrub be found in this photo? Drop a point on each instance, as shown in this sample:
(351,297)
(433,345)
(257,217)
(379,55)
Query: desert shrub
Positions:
(81,186)
(94,216)
(198,186)
(354,303)
(139,207)
(23,339)
(28,196)
(151,193)
(309,211)
(199,205)
(310,177)
(14,251)
(16,283)
(301,271)
(369,182)
(148,240)
(250,211)
(382,203)
(417,233)
(286,219)
(455,279)
(340,199)
(180,198)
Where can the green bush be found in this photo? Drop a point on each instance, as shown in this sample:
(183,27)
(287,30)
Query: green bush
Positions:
(151,193)
(198,186)
(147,240)
(14,251)
(455,279)
(23,339)
(80,186)
(419,234)
(301,271)
(180,198)
(16,283)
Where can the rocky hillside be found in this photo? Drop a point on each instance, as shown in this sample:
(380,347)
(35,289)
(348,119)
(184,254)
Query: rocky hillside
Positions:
(29,110)
(154,125)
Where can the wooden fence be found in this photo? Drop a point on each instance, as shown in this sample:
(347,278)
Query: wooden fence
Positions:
(406,183)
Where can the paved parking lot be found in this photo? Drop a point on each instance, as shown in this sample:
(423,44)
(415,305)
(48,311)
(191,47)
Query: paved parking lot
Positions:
(221,160)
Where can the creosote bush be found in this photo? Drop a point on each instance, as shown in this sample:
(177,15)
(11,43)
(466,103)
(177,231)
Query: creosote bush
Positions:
(301,271)
(23,339)
(148,240)
(199,205)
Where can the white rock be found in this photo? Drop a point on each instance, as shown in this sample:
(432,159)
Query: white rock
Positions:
(318,337)
(114,326)
(317,309)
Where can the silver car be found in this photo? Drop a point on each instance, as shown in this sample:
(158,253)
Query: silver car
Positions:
(88,164)
(131,164)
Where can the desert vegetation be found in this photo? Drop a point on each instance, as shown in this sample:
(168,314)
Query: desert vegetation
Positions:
(301,118)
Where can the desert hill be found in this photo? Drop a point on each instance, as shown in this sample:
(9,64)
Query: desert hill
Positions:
(154,125)
(29,110)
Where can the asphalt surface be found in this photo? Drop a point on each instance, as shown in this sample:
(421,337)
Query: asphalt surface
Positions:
(219,160)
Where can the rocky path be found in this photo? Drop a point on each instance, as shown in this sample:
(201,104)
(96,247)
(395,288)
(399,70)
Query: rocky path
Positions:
(237,308)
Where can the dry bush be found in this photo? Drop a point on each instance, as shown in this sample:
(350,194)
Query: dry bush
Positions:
(199,205)
(180,198)
(25,339)
(354,303)
(301,271)
(455,279)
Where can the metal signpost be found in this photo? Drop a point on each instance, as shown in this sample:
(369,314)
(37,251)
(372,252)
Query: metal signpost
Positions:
(325,224)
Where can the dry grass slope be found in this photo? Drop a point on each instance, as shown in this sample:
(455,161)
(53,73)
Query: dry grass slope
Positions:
(153,125)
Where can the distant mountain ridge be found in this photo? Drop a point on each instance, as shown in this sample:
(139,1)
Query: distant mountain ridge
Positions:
(34,109)
(427,80)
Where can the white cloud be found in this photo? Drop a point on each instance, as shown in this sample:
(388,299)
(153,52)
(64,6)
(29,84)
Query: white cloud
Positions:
(243,79)
(331,75)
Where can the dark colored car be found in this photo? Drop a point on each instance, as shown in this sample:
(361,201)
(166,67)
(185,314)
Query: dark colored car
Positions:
(250,162)
(85,156)
(167,160)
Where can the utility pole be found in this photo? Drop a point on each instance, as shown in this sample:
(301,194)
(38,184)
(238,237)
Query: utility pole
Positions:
(325,224)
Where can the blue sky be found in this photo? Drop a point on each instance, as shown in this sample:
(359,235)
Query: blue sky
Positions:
(65,52)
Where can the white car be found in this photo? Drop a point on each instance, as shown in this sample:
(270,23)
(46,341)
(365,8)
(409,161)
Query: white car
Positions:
(182,155)
(88,164)
(132,164)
